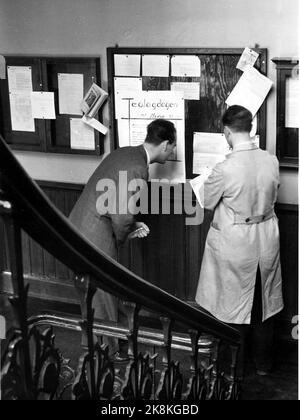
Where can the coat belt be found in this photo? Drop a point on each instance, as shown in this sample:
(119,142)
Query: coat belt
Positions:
(250,220)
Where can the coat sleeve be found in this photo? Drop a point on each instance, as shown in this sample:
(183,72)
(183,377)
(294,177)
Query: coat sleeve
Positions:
(214,188)
(123,220)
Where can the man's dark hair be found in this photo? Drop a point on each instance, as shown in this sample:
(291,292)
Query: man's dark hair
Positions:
(160,130)
(238,119)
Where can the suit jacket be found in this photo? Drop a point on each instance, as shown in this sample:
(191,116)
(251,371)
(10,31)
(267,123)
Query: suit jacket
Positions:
(243,235)
(106,231)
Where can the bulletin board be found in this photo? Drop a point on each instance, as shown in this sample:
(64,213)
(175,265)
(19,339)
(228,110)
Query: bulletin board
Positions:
(218,76)
(49,135)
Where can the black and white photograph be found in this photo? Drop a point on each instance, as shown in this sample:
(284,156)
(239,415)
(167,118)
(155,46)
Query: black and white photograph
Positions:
(149,155)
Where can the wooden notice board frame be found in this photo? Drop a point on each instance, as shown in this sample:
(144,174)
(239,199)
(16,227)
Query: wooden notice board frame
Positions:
(218,77)
(52,136)
(287,138)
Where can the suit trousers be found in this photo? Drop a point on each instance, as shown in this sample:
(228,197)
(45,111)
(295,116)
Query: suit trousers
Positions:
(106,304)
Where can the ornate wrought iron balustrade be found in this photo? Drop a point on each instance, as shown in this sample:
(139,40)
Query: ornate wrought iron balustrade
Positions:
(32,366)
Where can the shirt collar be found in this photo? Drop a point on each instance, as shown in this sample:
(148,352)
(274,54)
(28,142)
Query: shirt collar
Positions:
(148,156)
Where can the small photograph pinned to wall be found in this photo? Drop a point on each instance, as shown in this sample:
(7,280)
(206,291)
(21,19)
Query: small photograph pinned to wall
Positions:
(248,58)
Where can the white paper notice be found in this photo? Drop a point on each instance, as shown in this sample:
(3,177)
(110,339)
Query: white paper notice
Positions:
(128,84)
(124,88)
(97,125)
(82,135)
(209,149)
(20,111)
(20,88)
(70,93)
(191,91)
(19,79)
(250,91)
(156,65)
(152,104)
(292,104)
(127,65)
(42,104)
(141,110)
(248,58)
(122,103)
(185,66)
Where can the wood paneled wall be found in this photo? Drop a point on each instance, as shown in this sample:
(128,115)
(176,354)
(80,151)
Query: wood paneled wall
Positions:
(169,258)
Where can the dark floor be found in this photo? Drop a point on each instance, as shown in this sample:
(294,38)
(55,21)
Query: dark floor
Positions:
(281,384)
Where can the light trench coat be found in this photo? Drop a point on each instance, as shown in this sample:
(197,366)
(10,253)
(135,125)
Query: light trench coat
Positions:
(243,235)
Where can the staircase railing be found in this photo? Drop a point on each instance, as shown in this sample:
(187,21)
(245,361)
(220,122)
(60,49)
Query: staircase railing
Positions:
(32,366)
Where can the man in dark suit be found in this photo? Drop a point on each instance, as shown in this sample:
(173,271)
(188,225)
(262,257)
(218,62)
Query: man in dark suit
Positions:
(109,227)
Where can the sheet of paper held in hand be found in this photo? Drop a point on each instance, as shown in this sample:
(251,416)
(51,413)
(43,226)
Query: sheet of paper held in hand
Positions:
(250,91)
(209,149)
(198,184)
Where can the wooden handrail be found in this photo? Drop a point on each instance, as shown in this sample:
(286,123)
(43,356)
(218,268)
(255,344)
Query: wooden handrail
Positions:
(33,366)
(47,226)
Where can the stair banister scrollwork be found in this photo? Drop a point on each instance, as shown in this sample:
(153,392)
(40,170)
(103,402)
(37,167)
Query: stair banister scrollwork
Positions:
(24,207)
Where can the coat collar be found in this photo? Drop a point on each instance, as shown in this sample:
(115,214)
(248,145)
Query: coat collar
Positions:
(244,146)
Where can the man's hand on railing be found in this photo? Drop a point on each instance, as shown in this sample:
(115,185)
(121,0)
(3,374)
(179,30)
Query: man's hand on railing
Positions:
(141,231)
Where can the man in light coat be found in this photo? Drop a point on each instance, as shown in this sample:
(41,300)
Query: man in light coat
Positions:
(240,278)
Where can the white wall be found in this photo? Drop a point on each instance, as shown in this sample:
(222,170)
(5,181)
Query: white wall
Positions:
(69,27)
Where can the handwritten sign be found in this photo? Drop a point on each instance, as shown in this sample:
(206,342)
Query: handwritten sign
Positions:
(152,105)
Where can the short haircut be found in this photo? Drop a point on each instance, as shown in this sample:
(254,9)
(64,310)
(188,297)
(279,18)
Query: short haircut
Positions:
(238,119)
(160,130)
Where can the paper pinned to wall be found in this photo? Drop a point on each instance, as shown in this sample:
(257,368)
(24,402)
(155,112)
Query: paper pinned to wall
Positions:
(191,90)
(20,89)
(82,135)
(42,104)
(127,84)
(292,104)
(127,65)
(97,125)
(21,112)
(250,91)
(2,67)
(248,58)
(155,65)
(152,104)
(70,93)
(124,88)
(141,110)
(19,79)
(185,66)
